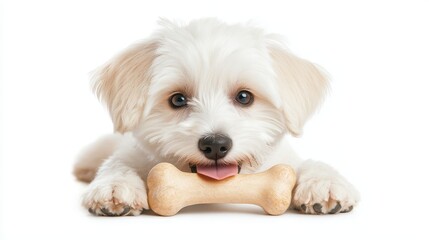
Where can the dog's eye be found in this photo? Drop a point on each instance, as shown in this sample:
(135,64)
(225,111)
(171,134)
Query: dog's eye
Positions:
(244,97)
(178,100)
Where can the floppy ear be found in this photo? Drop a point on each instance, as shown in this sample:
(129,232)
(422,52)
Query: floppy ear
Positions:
(302,86)
(123,82)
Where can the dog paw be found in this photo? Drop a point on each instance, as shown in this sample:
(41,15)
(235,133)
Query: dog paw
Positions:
(116,198)
(321,190)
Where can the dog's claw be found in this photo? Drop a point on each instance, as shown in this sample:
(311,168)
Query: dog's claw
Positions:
(127,209)
(107,212)
(303,207)
(317,207)
(90,210)
(335,209)
(347,210)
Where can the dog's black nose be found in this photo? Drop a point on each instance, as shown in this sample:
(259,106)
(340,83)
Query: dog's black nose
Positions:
(215,146)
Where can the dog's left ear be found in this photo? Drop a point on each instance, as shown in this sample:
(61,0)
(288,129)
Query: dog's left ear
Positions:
(302,86)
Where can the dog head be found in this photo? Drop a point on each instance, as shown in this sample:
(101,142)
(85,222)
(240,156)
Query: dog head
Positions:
(210,94)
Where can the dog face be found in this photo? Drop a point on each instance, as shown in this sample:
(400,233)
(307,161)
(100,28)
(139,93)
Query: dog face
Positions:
(210,93)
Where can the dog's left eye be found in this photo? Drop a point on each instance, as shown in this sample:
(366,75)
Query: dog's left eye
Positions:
(244,97)
(178,100)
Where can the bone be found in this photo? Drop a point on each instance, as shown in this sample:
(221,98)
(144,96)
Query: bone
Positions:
(170,189)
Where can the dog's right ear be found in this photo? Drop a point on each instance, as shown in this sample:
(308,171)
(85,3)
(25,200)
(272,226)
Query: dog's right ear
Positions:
(123,83)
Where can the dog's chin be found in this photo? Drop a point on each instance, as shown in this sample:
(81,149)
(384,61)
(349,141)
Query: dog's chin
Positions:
(217,170)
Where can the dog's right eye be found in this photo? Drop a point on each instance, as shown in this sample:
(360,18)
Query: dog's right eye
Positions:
(178,100)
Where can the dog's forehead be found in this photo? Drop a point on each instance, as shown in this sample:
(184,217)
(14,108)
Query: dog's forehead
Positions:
(208,58)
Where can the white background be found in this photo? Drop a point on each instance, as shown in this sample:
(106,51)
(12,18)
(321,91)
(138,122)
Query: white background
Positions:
(373,127)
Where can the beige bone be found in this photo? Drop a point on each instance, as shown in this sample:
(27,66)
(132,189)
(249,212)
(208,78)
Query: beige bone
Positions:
(171,189)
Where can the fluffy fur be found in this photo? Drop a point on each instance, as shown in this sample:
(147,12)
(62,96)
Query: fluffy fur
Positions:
(209,62)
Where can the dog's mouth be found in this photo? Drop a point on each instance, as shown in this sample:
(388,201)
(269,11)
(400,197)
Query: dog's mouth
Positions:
(217,171)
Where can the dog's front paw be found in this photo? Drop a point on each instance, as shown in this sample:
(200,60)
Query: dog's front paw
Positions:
(116,198)
(322,190)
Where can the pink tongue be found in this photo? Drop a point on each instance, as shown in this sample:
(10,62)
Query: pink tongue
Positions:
(218,172)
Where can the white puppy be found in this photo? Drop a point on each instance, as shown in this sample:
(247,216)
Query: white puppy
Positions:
(212,98)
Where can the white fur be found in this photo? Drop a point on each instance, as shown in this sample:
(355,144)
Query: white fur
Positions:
(210,62)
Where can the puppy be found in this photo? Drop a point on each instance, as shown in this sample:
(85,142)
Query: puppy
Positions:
(212,98)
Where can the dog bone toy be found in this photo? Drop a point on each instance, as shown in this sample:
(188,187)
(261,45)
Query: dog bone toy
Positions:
(171,189)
